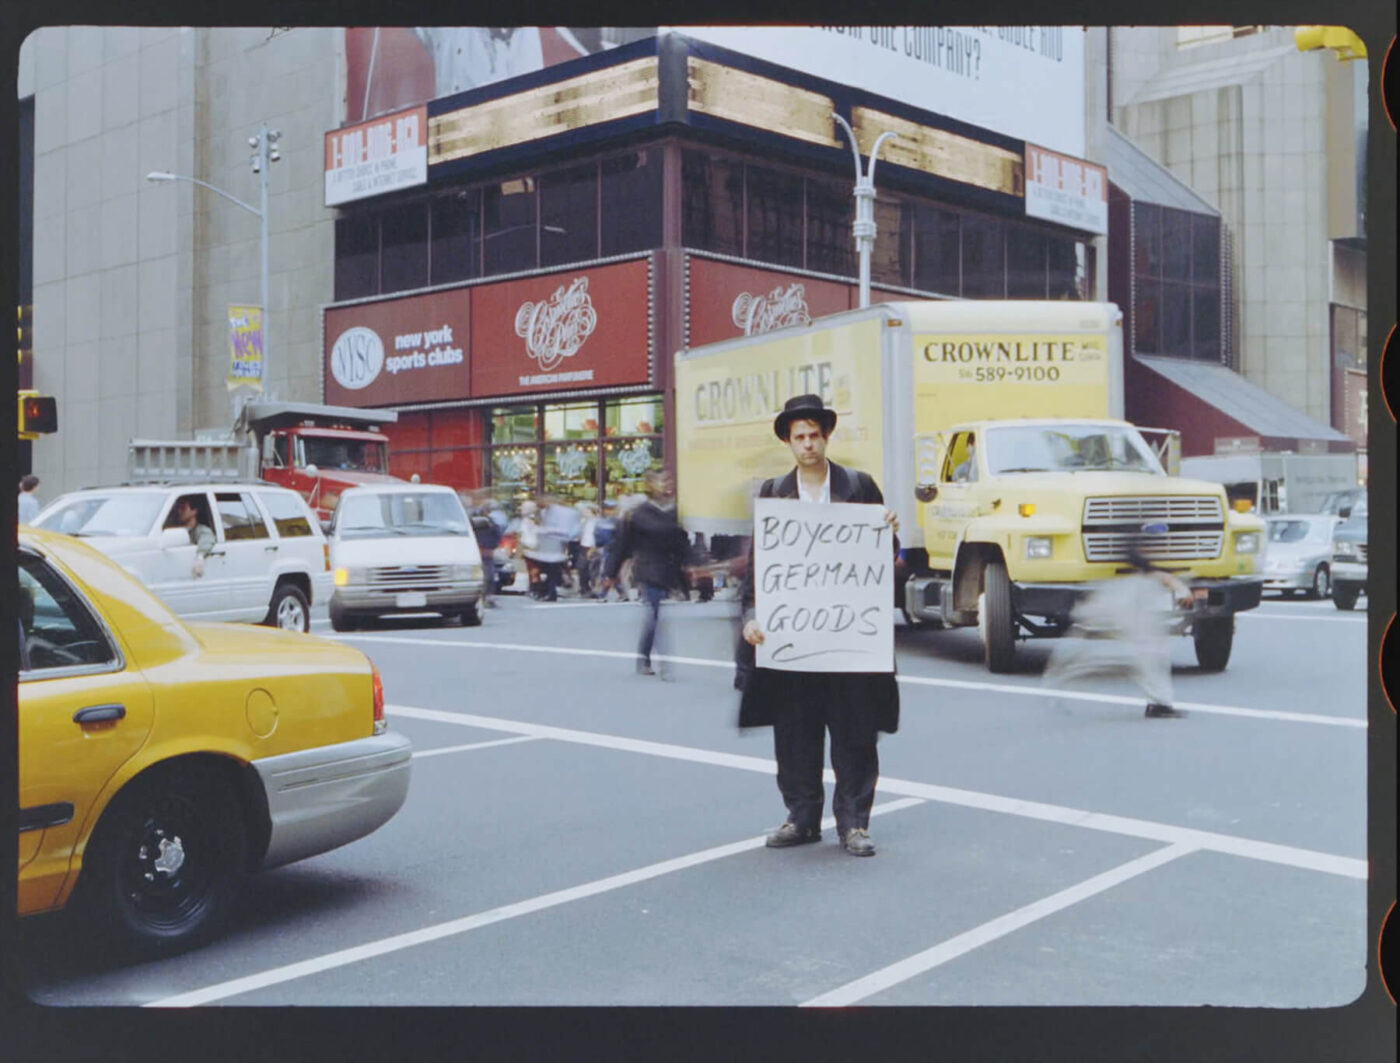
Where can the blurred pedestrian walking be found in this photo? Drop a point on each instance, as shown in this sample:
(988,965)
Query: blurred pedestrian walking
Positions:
(1122,630)
(28,500)
(653,538)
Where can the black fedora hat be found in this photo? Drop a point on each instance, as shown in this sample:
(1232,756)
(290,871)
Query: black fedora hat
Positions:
(807,408)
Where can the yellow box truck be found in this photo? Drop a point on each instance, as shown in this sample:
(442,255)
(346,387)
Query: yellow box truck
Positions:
(995,431)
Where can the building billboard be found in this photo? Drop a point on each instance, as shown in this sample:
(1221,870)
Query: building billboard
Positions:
(1024,81)
(412,349)
(388,68)
(378,156)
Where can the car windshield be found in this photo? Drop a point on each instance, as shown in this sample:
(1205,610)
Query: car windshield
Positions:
(375,515)
(1289,531)
(86,515)
(1068,447)
(336,453)
(1359,509)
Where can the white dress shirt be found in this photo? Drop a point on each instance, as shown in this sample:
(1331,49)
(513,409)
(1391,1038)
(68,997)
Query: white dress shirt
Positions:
(821,495)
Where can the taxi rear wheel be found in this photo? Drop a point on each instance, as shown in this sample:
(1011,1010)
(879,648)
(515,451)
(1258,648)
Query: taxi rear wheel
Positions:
(289,609)
(167,863)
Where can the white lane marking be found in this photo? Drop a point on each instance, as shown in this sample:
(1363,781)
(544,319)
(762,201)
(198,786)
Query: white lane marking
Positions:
(473,745)
(880,980)
(1308,619)
(1268,852)
(1018,689)
(423,935)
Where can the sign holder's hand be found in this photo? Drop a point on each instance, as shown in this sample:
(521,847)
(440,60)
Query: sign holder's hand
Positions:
(892,519)
(753,634)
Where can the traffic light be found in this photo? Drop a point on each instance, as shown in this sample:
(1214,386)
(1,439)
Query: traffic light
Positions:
(1341,40)
(38,414)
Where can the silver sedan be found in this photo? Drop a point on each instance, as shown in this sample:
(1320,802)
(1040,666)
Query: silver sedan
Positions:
(1299,553)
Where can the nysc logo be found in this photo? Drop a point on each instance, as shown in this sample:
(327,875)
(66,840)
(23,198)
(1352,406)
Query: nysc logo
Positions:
(357,358)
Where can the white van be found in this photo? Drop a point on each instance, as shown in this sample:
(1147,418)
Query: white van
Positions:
(403,548)
(269,562)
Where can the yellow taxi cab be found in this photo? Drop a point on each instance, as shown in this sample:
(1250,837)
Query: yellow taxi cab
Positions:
(161,761)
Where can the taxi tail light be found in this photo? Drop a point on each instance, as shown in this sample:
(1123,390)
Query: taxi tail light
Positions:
(380,723)
(326,555)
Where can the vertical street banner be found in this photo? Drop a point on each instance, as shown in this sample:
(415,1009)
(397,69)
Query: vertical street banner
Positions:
(823,586)
(245,347)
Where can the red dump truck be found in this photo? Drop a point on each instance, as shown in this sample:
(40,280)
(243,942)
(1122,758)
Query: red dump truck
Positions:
(316,450)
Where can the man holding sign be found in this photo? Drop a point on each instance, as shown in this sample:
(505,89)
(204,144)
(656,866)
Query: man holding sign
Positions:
(818,602)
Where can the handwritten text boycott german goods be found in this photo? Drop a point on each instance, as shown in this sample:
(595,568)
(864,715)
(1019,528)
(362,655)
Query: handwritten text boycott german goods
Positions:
(823,588)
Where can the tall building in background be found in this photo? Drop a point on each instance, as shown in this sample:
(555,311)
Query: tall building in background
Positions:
(1236,129)
(505,233)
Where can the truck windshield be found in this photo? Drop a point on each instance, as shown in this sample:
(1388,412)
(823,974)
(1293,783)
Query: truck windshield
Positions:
(115,515)
(371,516)
(1068,448)
(357,454)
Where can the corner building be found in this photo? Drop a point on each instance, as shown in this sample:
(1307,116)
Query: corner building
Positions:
(542,246)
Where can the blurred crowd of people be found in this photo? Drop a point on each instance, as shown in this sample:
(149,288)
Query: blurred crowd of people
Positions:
(558,545)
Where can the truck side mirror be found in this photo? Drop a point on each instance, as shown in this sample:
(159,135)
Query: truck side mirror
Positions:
(926,492)
(173,537)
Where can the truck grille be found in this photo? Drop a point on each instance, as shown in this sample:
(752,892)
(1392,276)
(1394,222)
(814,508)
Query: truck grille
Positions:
(409,578)
(1195,527)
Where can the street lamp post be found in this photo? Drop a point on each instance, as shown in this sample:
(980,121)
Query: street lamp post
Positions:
(863,228)
(265,152)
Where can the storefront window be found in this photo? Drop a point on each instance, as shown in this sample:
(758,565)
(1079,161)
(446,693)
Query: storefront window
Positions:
(515,424)
(1065,268)
(571,471)
(984,263)
(631,197)
(626,464)
(456,248)
(775,216)
(513,472)
(712,203)
(509,211)
(403,256)
(356,256)
(579,421)
(569,215)
(638,417)
(937,251)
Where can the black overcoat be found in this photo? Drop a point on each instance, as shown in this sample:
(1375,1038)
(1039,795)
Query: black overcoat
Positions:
(867,702)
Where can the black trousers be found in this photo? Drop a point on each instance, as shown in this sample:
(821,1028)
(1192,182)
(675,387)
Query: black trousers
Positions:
(798,745)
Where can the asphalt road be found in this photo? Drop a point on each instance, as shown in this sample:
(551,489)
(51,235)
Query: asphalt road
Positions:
(579,834)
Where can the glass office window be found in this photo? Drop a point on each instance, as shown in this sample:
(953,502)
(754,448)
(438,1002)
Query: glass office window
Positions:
(1147,239)
(712,203)
(631,198)
(569,215)
(984,259)
(456,236)
(937,250)
(356,256)
(1205,250)
(1205,335)
(1146,311)
(889,261)
(1176,245)
(1175,334)
(775,216)
(403,252)
(1025,263)
(830,211)
(509,226)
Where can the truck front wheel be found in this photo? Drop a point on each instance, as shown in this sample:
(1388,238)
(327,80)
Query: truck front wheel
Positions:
(1214,638)
(996,620)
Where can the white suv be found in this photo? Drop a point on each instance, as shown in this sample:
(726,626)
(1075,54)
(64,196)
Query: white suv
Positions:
(269,559)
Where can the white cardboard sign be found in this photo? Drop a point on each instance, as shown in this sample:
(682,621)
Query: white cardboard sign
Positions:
(823,586)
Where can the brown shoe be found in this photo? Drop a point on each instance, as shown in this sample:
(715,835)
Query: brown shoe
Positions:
(790,834)
(856,841)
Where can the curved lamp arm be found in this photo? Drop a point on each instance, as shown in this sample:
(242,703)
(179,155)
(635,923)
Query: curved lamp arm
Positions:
(164,175)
